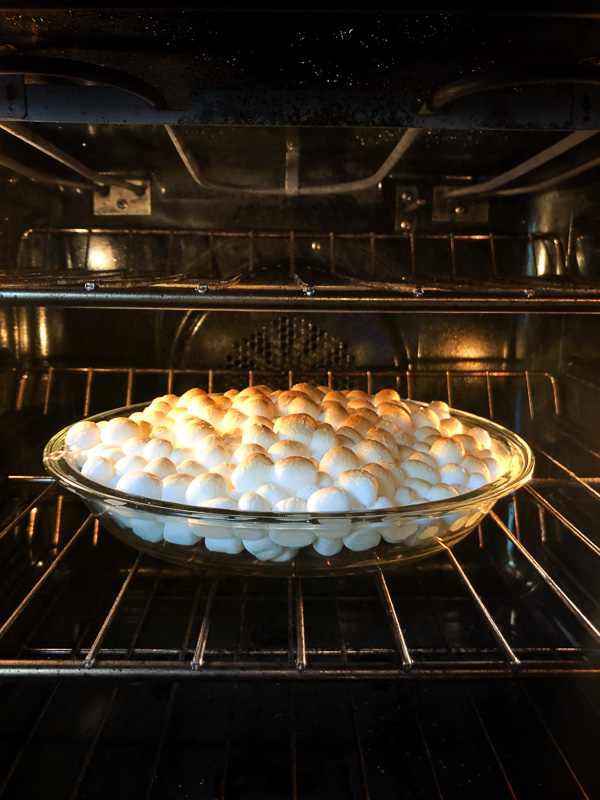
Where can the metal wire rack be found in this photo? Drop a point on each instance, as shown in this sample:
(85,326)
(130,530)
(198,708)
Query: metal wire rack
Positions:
(76,602)
(259,269)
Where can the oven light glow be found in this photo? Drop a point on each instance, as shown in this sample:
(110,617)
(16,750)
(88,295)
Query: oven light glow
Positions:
(101,256)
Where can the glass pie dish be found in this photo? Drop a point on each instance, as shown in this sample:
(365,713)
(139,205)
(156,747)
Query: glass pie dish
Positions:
(270,543)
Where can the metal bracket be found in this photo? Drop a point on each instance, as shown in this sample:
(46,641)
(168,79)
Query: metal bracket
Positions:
(12,97)
(408,203)
(461,209)
(123,202)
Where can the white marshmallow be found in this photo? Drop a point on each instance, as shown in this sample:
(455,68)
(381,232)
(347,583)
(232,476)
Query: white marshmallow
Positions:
(118,430)
(213,456)
(225,470)
(134,446)
(273,493)
(440,491)
(129,463)
(447,451)
(150,529)
(405,496)
(293,472)
(329,500)
(328,547)
(175,486)
(290,505)
(419,469)
(83,435)
(454,475)
(180,454)
(291,537)
(370,451)
(263,549)
(99,469)
(305,492)
(179,532)
(232,545)
(109,451)
(323,440)
(420,486)
(364,537)
(164,432)
(205,487)
(252,501)
(386,485)
(143,483)
(157,448)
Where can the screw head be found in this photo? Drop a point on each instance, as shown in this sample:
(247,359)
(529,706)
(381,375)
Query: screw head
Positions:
(460,210)
(202,288)
(405,225)
(309,291)
(122,204)
(90,286)
(406,196)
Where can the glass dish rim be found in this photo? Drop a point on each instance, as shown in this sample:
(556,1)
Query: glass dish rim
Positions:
(58,466)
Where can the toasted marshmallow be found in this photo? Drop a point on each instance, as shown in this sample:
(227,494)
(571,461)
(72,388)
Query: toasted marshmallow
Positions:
(396,414)
(161,467)
(259,434)
(386,485)
(369,451)
(259,405)
(244,450)
(187,397)
(191,467)
(142,483)
(405,496)
(253,471)
(192,433)
(335,414)
(154,417)
(386,396)
(361,485)
(447,451)
(440,491)
(157,448)
(315,394)
(304,405)
(450,426)
(344,433)
(419,469)
(84,435)
(299,427)
(454,475)
(338,460)
(234,418)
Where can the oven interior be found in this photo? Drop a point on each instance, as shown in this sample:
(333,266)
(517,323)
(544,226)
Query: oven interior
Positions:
(468,272)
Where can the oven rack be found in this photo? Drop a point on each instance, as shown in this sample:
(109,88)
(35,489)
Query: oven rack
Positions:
(504,601)
(103,267)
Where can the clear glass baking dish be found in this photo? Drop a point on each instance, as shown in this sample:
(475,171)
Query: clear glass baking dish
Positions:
(244,542)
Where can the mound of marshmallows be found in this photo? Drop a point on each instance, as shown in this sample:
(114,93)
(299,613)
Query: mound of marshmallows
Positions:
(307,449)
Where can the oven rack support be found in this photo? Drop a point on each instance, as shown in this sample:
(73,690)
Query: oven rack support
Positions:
(316,271)
(213,624)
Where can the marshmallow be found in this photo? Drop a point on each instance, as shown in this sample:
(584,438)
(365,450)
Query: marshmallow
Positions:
(252,501)
(187,397)
(299,427)
(234,418)
(405,496)
(454,475)
(225,470)
(179,532)
(232,545)
(329,500)
(328,547)
(118,429)
(396,414)
(99,469)
(142,483)
(360,485)
(359,422)
(440,491)
(175,486)
(419,469)
(418,485)
(439,408)
(364,537)
(287,448)
(157,448)
(83,435)
(323,440)
(447,451)
(253,471)
(213,456)
(315,394)
(205,487)
(294,472)
(304,405)
(161,467)
(369,451)
(345,433)
(334,414)
(138,417)
(473,464)
(154,418)
(386,485)
(263,549)
(190,466)
(164,432)
(305,492)
(193,432)
(481,436)
(134,446)
(338,460)
(109,451)
(273,493)
(386,396)
(180,454)
(129,463)
(244,450)
(450,426)
(333,396)
(469,444)
(259,434)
